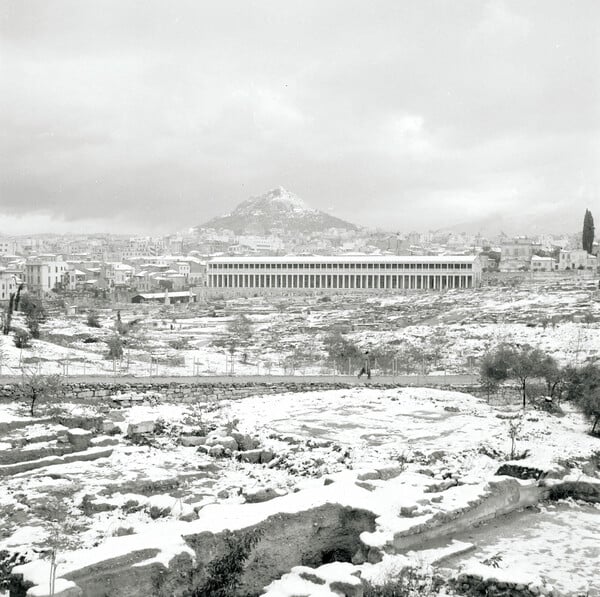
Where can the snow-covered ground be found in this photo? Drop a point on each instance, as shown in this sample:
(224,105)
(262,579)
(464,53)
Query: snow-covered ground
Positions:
(451,330)
(431,438)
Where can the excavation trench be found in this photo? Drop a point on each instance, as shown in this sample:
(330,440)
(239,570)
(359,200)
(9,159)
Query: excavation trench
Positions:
(311,537)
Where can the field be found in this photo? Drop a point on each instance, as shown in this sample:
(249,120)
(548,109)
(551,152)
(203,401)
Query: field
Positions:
(406,333)
(86,480)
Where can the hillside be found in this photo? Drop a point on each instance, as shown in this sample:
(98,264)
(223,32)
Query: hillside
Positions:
(276,210)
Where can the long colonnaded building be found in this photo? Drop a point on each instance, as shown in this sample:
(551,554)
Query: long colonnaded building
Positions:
(362,272)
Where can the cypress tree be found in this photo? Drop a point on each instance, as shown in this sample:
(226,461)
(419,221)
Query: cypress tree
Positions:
(588,231)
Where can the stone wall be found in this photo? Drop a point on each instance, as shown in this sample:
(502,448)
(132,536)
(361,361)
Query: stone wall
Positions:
(190,390)
(473,585)
(504,496)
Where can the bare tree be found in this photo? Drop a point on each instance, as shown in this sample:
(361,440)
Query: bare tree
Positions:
(35,387)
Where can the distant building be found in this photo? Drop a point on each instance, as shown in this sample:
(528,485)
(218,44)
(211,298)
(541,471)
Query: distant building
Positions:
(577,259)
(543,264)
(167,298)
(46,273)
(516,254)
(9,282)
(364,272)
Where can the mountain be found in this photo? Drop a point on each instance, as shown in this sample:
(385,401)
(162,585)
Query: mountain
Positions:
(277,209)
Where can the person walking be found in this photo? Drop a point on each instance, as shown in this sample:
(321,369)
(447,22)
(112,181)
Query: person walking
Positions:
(366,368)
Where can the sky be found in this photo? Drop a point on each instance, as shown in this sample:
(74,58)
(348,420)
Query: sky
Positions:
(153,116)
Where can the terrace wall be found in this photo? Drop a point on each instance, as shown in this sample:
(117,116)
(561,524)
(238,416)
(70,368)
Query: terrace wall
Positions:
(205,391)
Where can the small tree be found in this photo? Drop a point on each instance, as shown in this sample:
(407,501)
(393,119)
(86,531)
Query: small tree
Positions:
(553,375)
(34,387)
(495,368)
(34,312)
(583,387)
(340,350)
(525,363)
(115,348)
(514,428)
(241,329)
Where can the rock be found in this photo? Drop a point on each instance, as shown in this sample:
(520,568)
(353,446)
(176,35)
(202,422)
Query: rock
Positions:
(79,438)
(327,481)
(108,427)
(368,476)
(223,494)
(347,589)
(189,516)
(389,472)
(426,471)
(261,495)
(252,456)
(359,557)
(217,451)
(225,441)
(266,456)
(374,556)
(451,409)
(141,427)
(408,511)
(192,440)
(313,578)
(158,512)
(436,455)
(365,485)
(245,442)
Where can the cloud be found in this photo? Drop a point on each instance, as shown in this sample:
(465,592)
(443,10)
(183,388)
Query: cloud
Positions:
(396,114)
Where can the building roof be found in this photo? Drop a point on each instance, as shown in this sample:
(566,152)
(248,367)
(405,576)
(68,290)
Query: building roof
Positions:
(162,295)
(349,259)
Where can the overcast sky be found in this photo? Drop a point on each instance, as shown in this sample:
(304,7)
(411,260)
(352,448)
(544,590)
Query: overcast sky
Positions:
(157,115)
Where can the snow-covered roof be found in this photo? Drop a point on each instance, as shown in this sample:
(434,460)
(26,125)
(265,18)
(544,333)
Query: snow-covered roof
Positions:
(161,295)
(350,259)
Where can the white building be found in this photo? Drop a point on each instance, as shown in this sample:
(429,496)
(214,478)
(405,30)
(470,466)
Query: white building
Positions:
(45,273)
(577,259)
(8,284)
(543,264)
(7,247)
(364,272)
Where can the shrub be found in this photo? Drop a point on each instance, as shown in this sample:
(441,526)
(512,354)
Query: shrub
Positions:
(92,320)
(179,343)
(8,561)
(115,348)
(224,574)
(22,338)
(411,582)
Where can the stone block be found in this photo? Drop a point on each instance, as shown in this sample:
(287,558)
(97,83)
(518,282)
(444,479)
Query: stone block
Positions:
(217,451)
(266,456)
(261,495)
(79,438)
(252,456)
(192,440)
(227,442)
(368,476)
(389,472)
(141,427)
